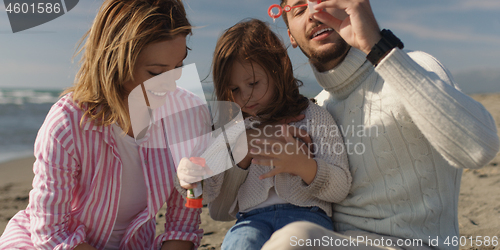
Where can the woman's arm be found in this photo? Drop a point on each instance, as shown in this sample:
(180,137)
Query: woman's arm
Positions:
(182,224)
(56,170)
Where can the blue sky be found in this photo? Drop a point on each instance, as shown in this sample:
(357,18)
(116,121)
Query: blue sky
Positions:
(463,34)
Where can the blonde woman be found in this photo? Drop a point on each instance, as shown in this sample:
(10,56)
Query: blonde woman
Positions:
(95,186)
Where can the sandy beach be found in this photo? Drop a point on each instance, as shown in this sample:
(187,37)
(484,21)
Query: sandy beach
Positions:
(479,205)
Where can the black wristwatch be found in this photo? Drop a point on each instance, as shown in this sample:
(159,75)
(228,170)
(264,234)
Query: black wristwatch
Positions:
(388,42)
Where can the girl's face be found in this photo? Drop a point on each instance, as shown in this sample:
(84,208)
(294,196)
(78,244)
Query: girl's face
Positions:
(251,88)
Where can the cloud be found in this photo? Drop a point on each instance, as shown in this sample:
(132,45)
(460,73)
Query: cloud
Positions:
(197,17)
(206,32)
(36,74)
(489,5)
(4,19)
(468,5)
(404,12)
(13,68)
(224,4)
(86,8)
(443,35)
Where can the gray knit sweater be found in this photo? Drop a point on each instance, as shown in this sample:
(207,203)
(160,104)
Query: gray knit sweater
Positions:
(331,184)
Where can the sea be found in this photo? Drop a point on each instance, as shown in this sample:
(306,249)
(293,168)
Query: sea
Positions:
(22,112)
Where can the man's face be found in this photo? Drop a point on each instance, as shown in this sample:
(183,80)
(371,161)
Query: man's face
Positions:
(321,44)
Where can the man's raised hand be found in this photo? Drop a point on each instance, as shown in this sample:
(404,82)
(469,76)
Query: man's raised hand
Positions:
(359,29)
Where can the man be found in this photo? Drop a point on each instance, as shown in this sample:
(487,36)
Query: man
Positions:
(412,132)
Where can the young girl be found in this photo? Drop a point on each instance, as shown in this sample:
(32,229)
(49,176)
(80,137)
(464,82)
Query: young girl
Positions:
(281,184)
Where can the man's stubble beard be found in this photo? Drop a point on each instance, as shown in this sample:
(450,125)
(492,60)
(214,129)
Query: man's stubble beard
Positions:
(328,59)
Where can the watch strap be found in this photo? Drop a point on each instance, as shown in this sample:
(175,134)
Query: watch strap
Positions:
(386,44)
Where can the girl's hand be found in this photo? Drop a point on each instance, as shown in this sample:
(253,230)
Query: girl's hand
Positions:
(259,136)
(190,173)
(359,29)
(290,157)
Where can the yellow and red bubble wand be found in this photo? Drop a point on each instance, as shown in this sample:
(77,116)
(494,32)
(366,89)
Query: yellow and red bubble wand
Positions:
(192,201)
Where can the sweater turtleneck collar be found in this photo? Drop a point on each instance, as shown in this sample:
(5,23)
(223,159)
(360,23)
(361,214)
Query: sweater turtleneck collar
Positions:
(345,77)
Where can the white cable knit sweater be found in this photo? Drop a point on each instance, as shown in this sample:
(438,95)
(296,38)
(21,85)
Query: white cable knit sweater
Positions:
(407,181)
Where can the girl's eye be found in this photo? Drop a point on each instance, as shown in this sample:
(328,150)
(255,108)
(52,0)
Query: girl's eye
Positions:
(253,83)
(234,90)
(153,74)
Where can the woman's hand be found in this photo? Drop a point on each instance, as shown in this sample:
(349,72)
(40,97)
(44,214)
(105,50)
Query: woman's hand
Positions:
(290,157)
(189,173)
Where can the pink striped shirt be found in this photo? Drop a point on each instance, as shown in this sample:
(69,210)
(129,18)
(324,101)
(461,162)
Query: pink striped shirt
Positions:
(77,186)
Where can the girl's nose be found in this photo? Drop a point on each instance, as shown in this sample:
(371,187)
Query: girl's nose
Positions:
(245,95)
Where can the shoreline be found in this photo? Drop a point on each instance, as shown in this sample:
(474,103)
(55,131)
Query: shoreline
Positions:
(5,158)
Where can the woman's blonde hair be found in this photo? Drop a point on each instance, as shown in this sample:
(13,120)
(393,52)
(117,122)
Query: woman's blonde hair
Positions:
(121,29)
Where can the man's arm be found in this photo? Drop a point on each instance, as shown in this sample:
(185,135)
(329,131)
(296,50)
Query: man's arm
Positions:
(457,126)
